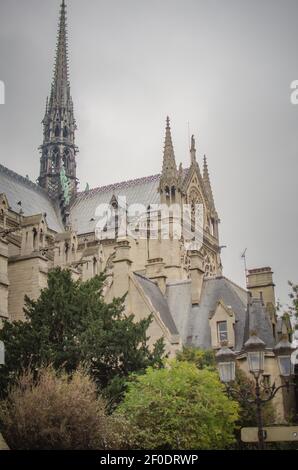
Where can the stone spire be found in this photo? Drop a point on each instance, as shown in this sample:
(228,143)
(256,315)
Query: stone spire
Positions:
(169,185)
(207,184)
(60,93)
(169,167)
(58,151)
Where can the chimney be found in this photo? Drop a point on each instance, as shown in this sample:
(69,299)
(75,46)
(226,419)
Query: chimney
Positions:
(196,275)
(260,284)
(122,264)
(155,270)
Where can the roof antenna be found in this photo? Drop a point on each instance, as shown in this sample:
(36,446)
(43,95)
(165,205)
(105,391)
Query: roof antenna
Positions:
(245,264)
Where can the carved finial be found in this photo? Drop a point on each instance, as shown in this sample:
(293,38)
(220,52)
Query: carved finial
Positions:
(193,150)
(168,123)
(193,143)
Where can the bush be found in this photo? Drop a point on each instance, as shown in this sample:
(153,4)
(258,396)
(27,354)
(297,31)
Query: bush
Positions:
(57,411)
(179,407)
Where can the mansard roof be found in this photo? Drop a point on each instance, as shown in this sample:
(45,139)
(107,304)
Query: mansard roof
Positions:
(193,320)
(34,200)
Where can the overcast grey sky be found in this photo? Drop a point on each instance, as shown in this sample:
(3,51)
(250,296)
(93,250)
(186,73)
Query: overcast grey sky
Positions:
(224,66)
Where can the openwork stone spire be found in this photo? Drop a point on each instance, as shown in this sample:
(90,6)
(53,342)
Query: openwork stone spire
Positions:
(60,93)
(58,151)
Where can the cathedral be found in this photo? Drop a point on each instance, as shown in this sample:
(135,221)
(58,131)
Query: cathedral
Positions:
(51,223)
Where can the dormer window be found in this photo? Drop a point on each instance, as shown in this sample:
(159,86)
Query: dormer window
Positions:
(222,331)
(222,321)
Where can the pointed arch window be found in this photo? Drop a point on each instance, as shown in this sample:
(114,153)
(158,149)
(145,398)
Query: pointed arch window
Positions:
(57,131)
(55,159)
(66,158)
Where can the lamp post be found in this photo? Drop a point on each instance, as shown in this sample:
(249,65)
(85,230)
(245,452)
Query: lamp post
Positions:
(255,353)
(2,353)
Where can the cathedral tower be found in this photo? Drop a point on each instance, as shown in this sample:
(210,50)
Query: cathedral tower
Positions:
(58,151)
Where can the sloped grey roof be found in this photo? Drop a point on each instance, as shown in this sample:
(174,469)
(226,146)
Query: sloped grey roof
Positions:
(138,191)
(259,321)
(193,324)
(178,295)
(34,198)
(158,301)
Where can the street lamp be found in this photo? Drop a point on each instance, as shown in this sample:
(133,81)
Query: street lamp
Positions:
(255,353)
(255,349)
(2,353)
(283,351)
(226,361)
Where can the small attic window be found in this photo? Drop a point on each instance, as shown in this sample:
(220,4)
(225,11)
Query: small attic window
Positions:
(222,331)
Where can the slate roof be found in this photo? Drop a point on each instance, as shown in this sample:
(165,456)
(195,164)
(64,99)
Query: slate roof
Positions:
(137,191)
(258,320)
(34,198)
(193,320)
(158,301)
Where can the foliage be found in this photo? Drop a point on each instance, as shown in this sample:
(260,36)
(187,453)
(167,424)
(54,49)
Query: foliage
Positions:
(293,309)
(179,407)
(248,411)
(57,411)
(70,324)
(243,384)
(201,358)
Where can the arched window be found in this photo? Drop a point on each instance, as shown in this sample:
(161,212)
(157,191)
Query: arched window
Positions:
(34,238)
(55,158)
(173,193)
(94,266)
(65,132)
(57,131)
(66,159)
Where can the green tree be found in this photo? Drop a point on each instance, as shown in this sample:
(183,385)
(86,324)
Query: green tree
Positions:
(200,357)
(243,384)
(179,407)
(70,324)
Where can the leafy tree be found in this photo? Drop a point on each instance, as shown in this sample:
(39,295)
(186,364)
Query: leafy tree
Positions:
(243,384)
(70,324)
(179,407)
(200,357)
(58,411)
